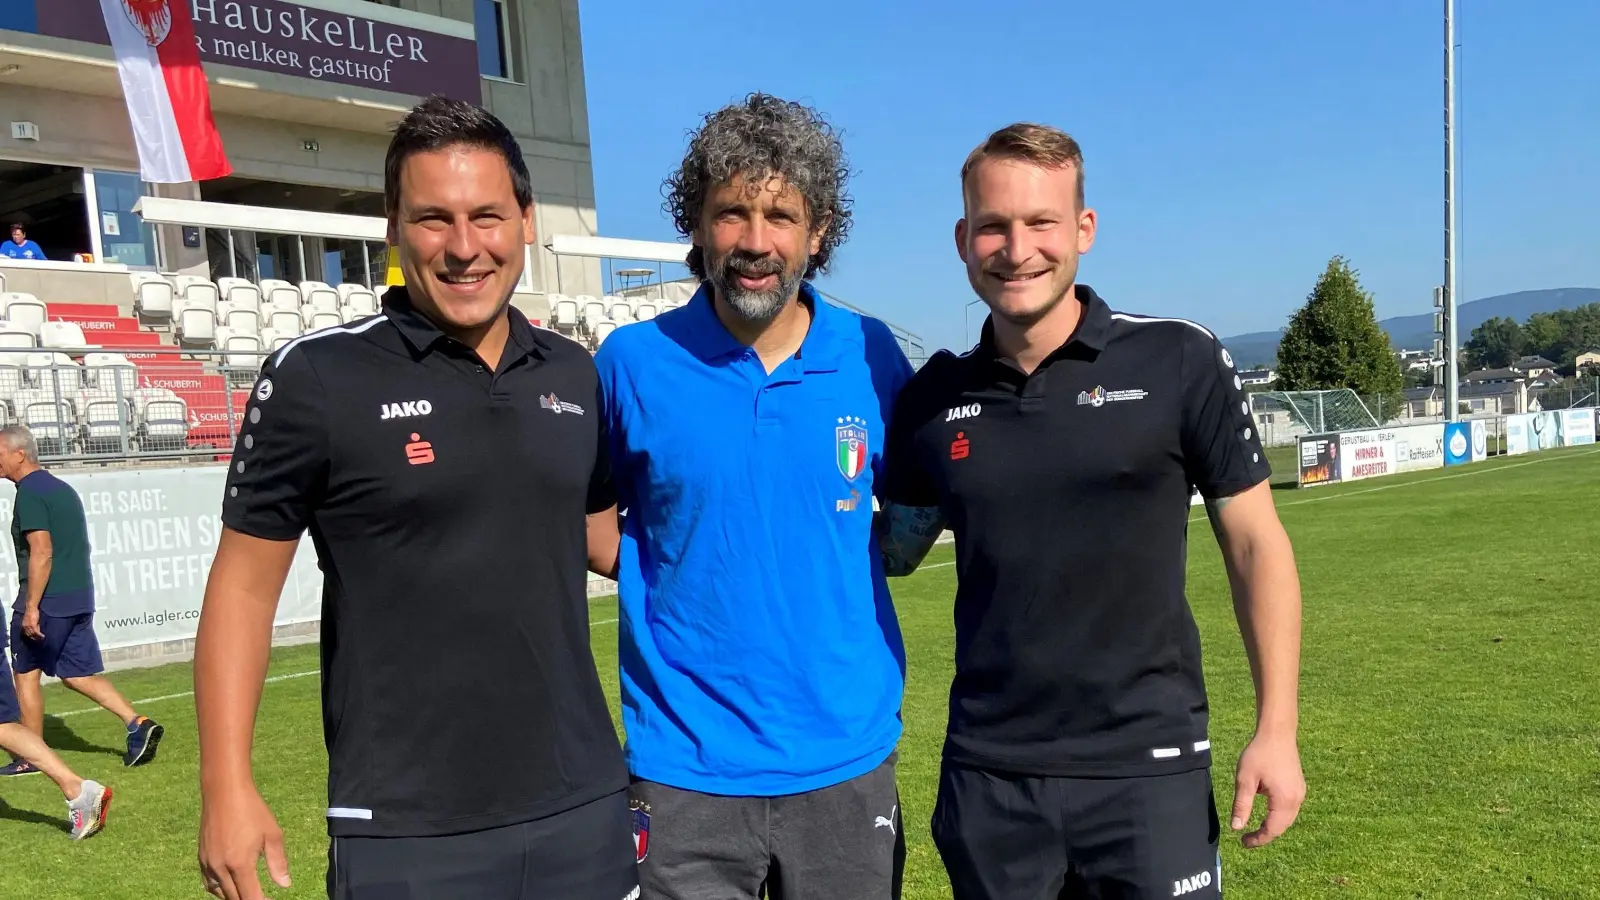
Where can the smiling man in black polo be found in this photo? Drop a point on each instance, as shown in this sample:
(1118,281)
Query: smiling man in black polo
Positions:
(443,456)
(1062,451)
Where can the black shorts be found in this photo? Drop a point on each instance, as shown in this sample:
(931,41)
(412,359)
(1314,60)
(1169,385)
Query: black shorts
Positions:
(1014,837)
(584,854)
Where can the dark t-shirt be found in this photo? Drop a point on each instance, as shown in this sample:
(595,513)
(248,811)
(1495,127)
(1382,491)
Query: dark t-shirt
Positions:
(46,503)
(1068,491)
(447,505)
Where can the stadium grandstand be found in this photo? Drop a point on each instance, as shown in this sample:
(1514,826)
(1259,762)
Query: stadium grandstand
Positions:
(140,331)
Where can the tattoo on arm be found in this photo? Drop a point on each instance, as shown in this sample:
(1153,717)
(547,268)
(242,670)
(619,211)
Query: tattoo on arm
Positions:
(906,534)
(1214,513)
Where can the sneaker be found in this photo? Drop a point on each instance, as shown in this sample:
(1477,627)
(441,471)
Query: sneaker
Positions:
(142,743)
(87,814)
(18,767)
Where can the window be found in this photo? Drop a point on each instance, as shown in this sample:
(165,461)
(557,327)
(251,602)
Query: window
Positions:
(494,38)
(124,237)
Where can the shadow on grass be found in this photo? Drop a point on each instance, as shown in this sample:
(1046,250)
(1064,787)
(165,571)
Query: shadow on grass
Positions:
(11,813)
(63,740)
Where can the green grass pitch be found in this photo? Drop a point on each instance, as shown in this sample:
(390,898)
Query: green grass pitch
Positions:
(1450,723)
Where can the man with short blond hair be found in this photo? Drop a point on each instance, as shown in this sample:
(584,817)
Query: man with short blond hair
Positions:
(1062,450)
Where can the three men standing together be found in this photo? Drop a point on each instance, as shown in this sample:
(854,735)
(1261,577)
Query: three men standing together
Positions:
(762,665)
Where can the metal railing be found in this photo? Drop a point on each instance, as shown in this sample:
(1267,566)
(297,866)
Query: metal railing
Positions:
(112,406)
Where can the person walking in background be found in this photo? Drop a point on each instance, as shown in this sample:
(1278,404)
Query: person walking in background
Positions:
(52,622)
(88,802)
(19,247)
(762,663)
(1063,450)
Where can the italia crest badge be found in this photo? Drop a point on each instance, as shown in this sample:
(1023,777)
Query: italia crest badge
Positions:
(641,829)
(850,446)
(153,18)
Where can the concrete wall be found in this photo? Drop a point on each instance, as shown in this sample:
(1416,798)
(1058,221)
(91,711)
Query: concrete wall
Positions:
(545,107)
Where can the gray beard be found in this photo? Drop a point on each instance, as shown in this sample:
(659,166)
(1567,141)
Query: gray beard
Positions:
(757,307)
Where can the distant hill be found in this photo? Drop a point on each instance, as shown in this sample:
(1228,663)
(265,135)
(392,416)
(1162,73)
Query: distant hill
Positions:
(1416,332)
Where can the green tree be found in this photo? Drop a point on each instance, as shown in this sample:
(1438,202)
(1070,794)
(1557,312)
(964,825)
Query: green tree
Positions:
(1495,344)
(1334,341)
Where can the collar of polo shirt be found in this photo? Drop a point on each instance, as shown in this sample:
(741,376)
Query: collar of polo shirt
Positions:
(424,336)
(1093,328)
(819,352)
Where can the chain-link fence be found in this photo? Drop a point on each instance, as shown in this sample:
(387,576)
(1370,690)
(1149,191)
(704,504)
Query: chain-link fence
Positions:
(1577,394)
(150,404)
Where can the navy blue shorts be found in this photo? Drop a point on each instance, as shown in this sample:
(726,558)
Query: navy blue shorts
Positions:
(9,710)
(69,648)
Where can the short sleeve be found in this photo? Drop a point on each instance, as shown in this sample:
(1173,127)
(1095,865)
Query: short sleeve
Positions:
(278,474)
(1222,451)
(33,513)
(602,490)
(907,480)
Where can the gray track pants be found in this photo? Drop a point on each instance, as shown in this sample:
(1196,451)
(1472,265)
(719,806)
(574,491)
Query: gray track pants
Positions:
(836,843)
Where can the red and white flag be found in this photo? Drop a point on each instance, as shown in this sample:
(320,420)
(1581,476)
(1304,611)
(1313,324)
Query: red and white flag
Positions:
(169,103)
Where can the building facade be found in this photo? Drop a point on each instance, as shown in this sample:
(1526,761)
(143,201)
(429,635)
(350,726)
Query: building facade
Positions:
(305,94)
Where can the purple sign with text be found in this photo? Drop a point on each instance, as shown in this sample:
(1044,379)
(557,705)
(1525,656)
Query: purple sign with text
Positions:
(305,41)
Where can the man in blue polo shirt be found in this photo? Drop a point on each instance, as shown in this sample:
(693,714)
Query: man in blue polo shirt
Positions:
(762,664)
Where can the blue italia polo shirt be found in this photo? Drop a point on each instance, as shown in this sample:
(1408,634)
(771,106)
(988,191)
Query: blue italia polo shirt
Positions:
(759,649)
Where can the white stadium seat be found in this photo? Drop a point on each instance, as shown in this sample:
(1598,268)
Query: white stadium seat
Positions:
(268,285)
(16,338)
(360,303)
(153,297)
(563,312)
(110,373)
(9,297)
(26,315)
(319,301)
(242,321)
(243,295)
(285,322)
(602,330)
(282,300)
(197,325)
(66,335)
(321,320)
(242,351)
(646,311)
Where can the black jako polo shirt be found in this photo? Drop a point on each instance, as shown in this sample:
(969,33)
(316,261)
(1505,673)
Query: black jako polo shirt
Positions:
(1069,495)
(446,503)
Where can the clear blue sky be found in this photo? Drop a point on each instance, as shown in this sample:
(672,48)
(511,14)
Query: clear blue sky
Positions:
(1231,149)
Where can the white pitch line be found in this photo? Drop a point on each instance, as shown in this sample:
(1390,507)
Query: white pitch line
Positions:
(271,680)
(1390,487)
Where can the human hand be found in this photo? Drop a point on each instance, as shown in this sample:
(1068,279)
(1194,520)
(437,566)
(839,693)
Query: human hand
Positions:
(1271,766)
(237,829)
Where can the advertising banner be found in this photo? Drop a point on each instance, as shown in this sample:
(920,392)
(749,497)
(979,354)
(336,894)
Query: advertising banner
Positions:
(1480,440)
(153,534)
(1457,444)
(1418,447)
(1319,459)
(1577,427)
(1367,454)
(345,41)
(1532,432)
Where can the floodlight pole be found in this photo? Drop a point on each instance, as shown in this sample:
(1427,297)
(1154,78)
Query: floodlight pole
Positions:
(1452,383)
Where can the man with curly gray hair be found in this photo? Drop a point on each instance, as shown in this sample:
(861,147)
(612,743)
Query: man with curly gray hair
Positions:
(762,665)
